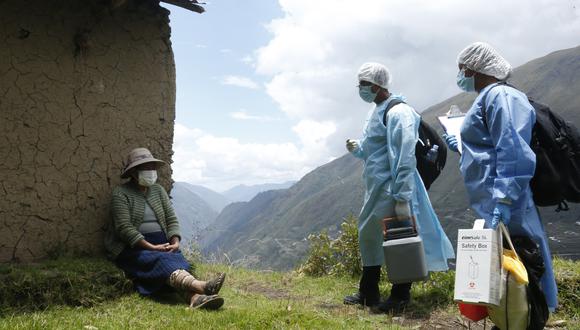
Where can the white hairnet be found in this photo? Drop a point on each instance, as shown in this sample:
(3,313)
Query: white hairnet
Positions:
(375,73)
(481,57)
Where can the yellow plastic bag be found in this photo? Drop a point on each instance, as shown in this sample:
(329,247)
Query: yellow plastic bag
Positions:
(512,263)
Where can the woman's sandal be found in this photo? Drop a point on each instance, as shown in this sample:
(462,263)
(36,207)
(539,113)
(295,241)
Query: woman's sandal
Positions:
(213,287)
(212,302)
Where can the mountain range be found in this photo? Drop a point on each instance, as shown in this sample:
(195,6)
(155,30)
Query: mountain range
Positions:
(197,207)
(244,193)
(194,213)
(214,199)
(270,230)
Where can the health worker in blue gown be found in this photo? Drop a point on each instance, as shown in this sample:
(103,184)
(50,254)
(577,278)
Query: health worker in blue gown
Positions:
(497,162)
(393,188)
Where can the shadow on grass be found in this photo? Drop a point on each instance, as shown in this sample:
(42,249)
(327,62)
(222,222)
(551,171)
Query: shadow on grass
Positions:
(422,306)
(170,297)
(67,281)
(429,296)
(62,282)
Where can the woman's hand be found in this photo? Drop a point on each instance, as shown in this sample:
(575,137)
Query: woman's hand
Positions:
(165,247)
(160,247)
(174,246)
(143,244)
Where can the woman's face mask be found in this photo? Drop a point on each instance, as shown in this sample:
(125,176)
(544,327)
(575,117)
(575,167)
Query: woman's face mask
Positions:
(466,84)
(366,94)
(147,178)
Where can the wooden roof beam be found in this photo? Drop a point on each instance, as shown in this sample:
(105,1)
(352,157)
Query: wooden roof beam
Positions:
(192,5)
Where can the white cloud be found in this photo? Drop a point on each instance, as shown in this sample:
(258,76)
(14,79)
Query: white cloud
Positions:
(316,49)
(248,59)
(225,51)
(222,162)
(318,46)
(244,115)
(314,133)
(240,82)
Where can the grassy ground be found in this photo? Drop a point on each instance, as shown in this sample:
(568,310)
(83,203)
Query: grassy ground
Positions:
(254,300)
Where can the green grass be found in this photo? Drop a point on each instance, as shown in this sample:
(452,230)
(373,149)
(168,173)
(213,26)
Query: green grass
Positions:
(254,300)
(568,279)
(66,281)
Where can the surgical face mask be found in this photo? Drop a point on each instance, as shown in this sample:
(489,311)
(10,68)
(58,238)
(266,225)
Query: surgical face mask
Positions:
(147,178)
(465,83)
(366,94)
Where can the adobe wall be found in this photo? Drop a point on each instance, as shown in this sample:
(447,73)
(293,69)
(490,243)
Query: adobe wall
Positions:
(82,82)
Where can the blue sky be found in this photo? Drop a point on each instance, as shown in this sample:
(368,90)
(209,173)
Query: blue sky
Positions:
(266,89)
(217,45)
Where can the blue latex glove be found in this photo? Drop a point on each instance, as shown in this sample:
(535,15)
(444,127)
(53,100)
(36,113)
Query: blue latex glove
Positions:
(451,141)
(502,212)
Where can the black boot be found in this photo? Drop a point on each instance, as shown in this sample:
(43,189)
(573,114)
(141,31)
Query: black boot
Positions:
(368,290)
(398,300)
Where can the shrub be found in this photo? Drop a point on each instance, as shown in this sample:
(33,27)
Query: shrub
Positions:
(339,256)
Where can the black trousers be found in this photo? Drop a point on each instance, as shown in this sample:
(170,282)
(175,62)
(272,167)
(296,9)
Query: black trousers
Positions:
(369,286)
(401,291)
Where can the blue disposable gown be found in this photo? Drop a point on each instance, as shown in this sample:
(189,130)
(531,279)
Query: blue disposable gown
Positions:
(498,163)
(390,174)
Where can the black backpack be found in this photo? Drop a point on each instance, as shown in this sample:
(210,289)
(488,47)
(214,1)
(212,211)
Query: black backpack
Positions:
(428,137)
(556,143)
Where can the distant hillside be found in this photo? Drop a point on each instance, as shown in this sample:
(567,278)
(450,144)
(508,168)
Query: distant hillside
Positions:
(244,193)
(216,200)
(194,213)
(270,231)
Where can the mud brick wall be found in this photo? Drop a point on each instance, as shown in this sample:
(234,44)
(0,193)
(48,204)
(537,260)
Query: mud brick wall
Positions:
(82,82)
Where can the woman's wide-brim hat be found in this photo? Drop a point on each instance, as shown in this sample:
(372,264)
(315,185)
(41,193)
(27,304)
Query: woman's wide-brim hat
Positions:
(137,157)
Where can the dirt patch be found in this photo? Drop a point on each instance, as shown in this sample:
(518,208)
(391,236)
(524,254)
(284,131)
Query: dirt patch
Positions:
(439,320)
(330,306)
(267,291)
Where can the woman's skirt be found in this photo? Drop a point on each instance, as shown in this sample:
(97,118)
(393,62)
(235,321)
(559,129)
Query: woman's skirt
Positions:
(149,270)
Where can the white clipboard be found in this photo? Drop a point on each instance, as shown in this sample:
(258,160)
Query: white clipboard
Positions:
(452,123)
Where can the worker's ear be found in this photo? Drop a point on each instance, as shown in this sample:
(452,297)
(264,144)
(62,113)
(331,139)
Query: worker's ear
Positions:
(469,72)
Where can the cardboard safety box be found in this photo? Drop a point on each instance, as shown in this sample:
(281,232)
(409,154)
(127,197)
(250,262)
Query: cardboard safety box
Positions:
(478,265)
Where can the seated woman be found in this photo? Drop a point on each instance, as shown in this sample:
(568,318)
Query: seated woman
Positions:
(143,239)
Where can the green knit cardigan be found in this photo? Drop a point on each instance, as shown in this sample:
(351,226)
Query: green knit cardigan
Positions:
(127,210)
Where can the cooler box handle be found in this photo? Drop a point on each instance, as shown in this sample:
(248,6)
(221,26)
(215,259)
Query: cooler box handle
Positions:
(403,232)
